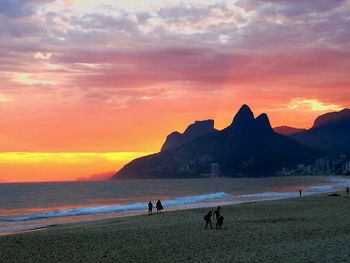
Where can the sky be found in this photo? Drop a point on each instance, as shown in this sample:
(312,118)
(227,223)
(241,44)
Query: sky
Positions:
(86,86)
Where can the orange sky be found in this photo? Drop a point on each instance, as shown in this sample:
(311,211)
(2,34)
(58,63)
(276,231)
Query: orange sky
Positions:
(81,81)
(26,166)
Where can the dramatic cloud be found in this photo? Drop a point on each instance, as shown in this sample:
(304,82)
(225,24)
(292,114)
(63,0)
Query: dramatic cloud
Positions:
(18,8)
(113,73)
(313,104)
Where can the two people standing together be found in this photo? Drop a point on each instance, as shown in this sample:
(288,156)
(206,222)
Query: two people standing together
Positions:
(159,207)
(217,215)
(207,218)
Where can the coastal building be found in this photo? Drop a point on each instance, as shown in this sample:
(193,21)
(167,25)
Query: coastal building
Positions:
(301,166)
(215,169)
(321,166)
(329,165)
(346,168)
(284,171)
(309,169)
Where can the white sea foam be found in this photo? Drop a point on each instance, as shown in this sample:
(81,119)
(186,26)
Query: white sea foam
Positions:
(321,188)
(118,208)
(267,196)
(336,184)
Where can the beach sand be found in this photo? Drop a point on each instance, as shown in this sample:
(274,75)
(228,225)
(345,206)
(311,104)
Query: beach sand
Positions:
(307,229)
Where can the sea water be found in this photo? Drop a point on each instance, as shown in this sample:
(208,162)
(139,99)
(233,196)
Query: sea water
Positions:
(33,206)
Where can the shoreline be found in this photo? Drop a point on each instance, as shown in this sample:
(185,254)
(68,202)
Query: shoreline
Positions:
(175,178)
(254,197)
(313,228)
(144,213)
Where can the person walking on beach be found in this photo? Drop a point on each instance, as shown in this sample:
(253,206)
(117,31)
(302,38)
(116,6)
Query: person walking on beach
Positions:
(220,222)
(300,192)
(347,191)
(217,214)
(150,208)
(207,219)
(159,206)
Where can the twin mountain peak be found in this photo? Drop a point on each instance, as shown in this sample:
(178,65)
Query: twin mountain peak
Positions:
(248,147)
(243,121)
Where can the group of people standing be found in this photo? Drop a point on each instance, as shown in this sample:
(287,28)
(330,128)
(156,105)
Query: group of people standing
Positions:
(159,207)
(216,215)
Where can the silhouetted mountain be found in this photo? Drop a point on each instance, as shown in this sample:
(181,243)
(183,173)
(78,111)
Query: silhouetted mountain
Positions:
(193,131)
(248,147)
(96,177)
(330,133)
(338,118)
(286,130)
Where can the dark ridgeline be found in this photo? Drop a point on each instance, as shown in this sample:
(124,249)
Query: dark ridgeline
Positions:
(330,133)
(248,147)
(286,130)
(193,131)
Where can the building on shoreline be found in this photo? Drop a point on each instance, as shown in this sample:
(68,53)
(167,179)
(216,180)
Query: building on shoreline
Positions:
(215,169)
(328,165)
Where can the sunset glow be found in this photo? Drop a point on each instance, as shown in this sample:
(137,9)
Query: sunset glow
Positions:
(87,85)
(22,166)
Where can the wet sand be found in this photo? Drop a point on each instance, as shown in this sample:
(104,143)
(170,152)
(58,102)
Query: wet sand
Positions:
(307,229)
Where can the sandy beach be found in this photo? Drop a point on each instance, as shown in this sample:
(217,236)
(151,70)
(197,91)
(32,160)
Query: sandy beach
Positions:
(307,229)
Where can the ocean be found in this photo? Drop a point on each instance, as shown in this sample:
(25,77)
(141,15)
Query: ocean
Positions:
(35,206)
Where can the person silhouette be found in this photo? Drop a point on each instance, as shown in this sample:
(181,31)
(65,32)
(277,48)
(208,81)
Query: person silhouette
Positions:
(220,222)
(150,207)
(159,206)
(207,219)
(347,191)
(300,192)
(217,214)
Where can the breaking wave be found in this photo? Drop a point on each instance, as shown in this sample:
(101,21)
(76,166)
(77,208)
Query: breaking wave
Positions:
(117,208)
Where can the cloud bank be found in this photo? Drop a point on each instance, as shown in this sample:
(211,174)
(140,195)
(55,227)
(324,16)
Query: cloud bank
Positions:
(65,62)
